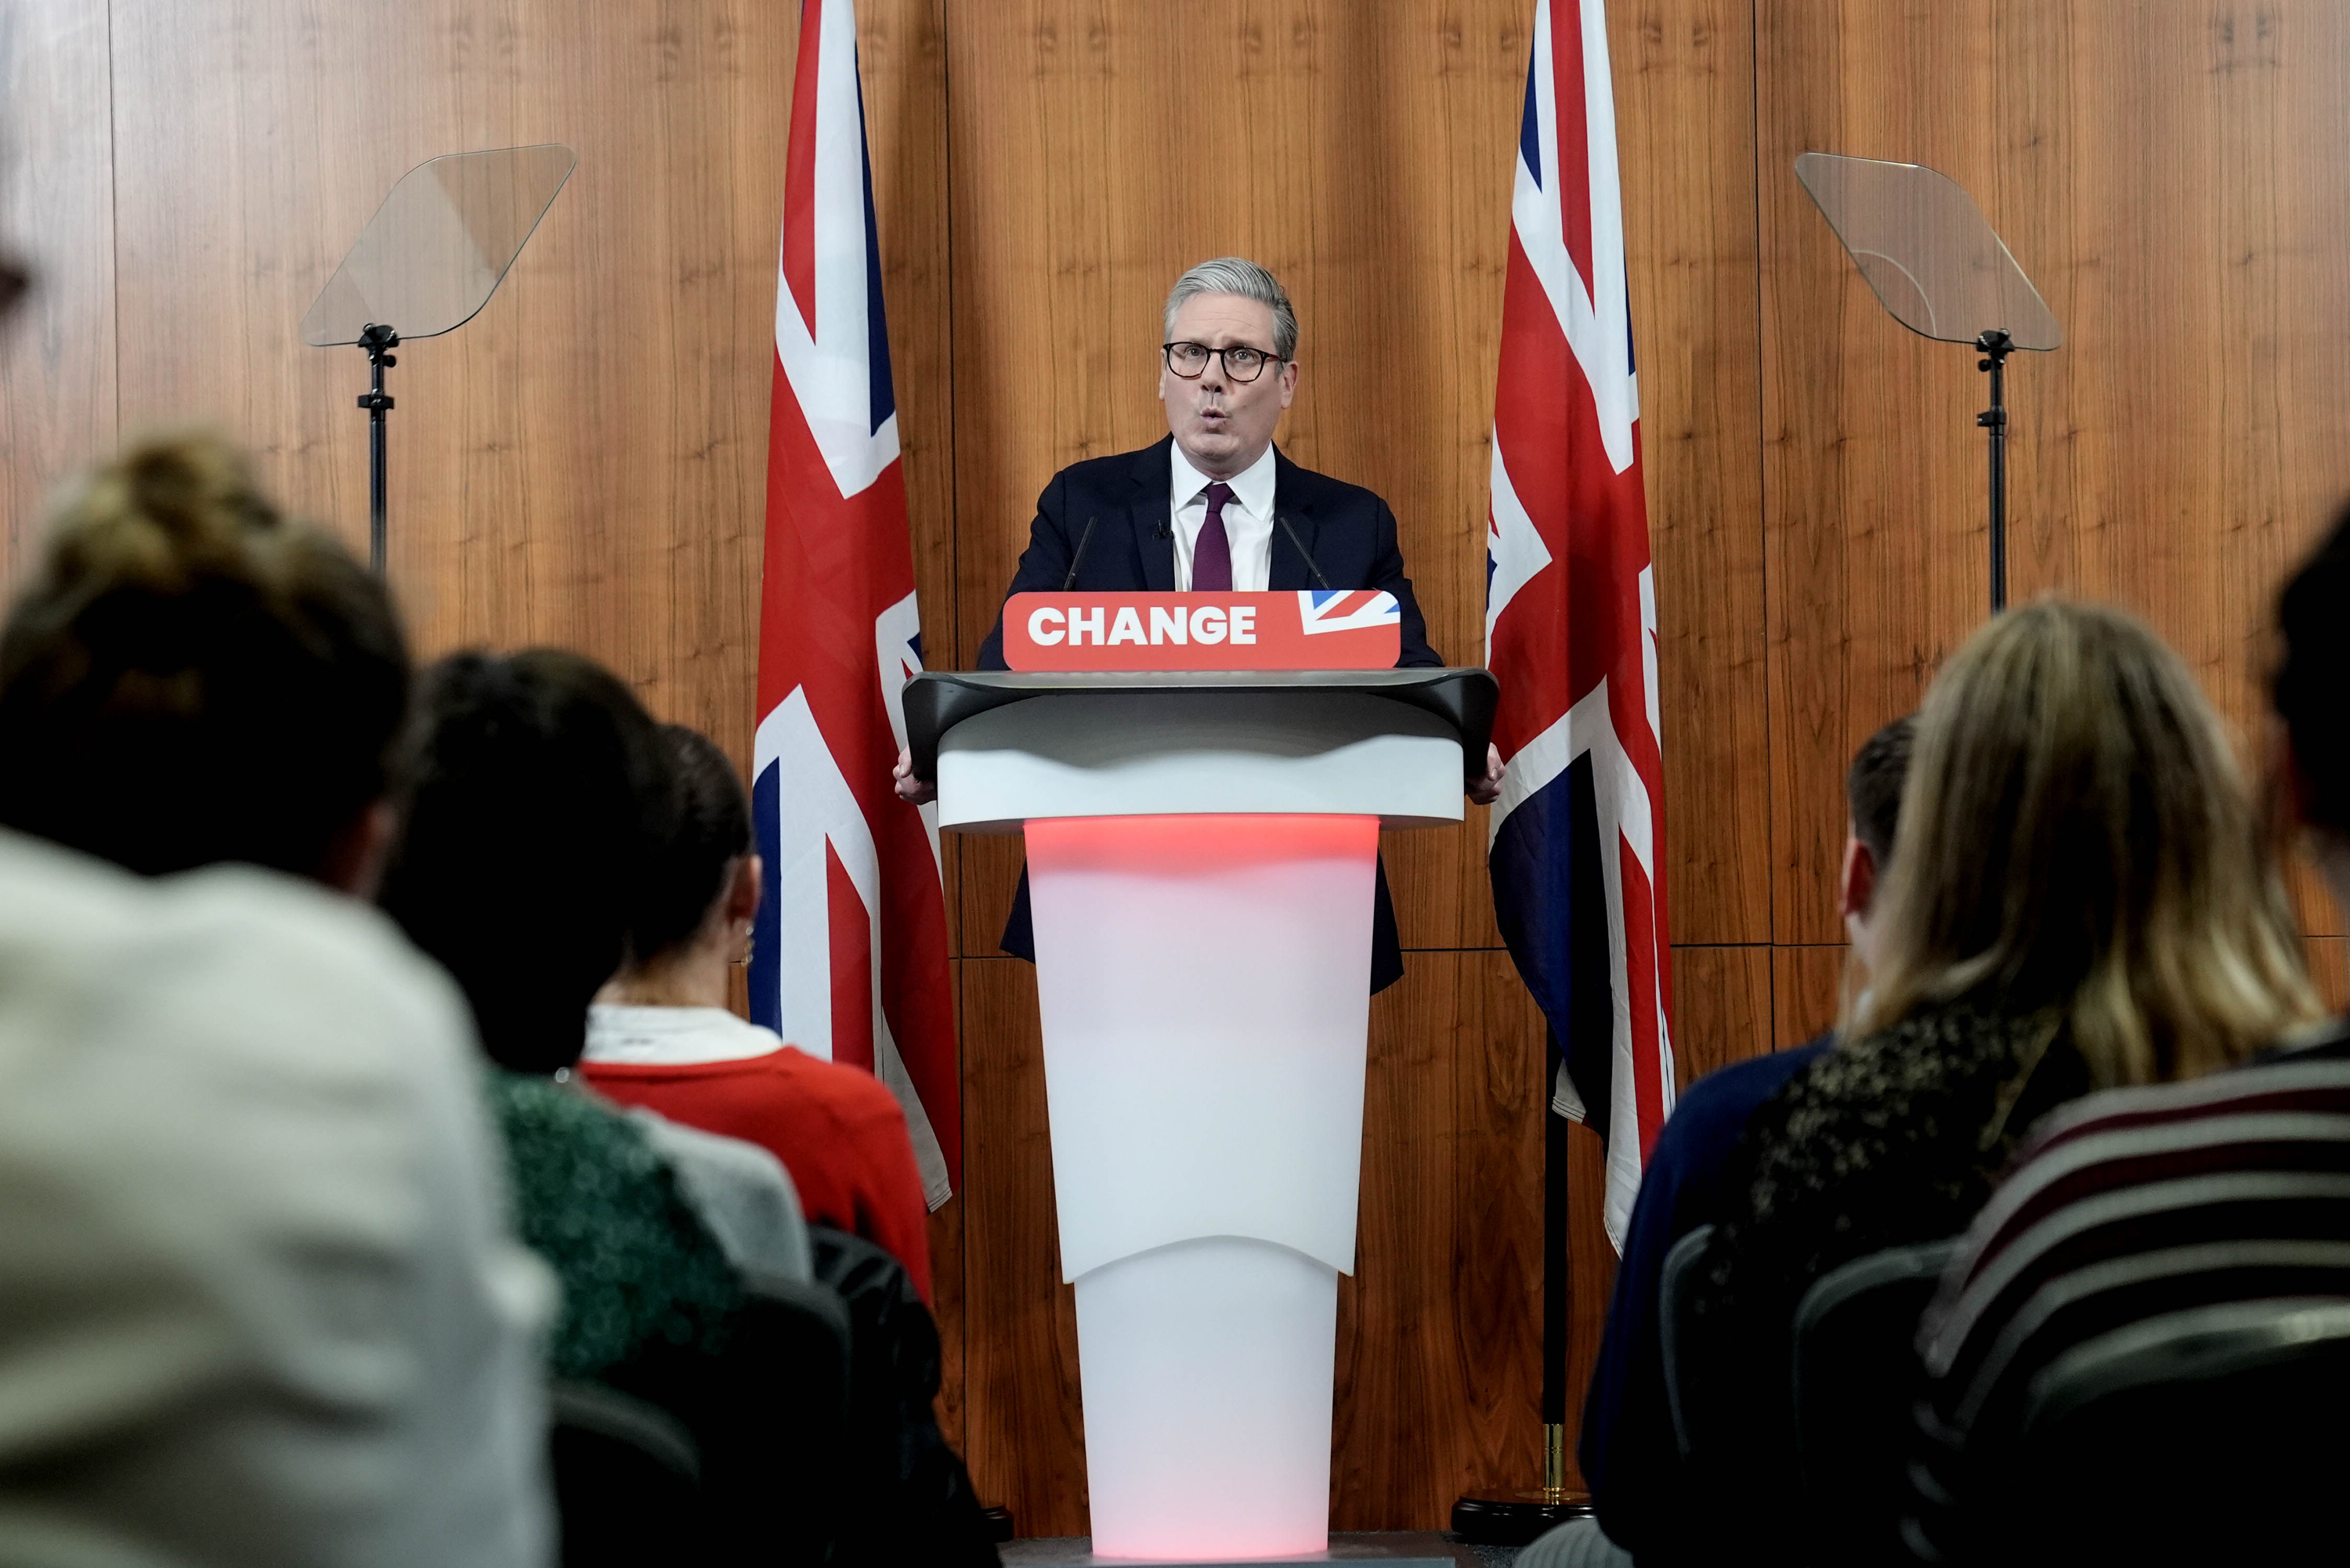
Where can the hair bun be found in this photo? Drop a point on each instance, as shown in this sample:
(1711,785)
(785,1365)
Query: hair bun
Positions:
(172,507)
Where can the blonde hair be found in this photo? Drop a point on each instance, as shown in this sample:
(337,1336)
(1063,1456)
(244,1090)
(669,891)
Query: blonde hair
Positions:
(2075,840)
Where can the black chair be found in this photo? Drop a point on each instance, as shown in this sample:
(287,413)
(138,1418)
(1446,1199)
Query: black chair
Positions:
(768,1418)
(1674,1336)
(775,1426)
(1854,1385)
(2212,1435)
(906,1498)
(627,1480)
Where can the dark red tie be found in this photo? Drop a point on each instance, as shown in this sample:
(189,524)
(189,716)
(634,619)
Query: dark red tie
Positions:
(1211,558)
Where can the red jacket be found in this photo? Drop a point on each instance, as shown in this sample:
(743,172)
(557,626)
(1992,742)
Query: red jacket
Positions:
(837,1129)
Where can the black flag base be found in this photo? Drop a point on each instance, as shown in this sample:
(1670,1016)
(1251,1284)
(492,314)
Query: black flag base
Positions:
(1516,1516)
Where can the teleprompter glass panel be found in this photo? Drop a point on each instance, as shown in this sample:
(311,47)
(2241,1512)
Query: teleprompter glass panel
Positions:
(1927,251)
(433,253)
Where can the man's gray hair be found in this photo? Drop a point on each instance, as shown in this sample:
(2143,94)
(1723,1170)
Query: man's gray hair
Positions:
(1237,275)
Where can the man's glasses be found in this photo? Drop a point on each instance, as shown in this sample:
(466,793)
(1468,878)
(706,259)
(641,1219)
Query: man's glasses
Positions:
(1189,360)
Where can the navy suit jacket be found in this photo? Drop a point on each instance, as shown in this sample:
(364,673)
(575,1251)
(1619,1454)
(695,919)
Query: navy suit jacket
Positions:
(1630,1457)
(1349,530)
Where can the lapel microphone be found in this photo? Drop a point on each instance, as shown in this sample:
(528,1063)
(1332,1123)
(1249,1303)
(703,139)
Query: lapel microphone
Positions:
(1078,560)
(1319,581)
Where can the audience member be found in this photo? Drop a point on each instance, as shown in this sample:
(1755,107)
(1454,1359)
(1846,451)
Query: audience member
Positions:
(263,1306)
(2079,901)
(191,678)
(1630,1456)
(2143,1202)
(538,810)
(661,1035)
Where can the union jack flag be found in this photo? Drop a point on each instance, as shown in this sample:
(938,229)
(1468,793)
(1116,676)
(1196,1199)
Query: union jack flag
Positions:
(1346,609)
(849,954)
(1571,619)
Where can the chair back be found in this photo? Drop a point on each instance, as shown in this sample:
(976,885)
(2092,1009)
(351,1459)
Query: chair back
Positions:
(1674,1337)
(1856,1381)
(777,1427)
(2212,1434)
(910,1499)
(628,1478)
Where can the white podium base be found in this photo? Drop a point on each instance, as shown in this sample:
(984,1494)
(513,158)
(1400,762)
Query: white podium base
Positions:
(1207,1369)
(1204,983)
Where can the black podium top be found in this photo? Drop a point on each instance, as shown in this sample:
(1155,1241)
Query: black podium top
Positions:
(938,699)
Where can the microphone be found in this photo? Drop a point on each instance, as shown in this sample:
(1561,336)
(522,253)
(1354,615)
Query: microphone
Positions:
(1283,518)
(1078,560)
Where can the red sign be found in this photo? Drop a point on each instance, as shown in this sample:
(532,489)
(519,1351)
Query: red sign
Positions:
(1317,628)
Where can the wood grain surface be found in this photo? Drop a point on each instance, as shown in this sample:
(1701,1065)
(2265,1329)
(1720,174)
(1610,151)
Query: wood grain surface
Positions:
(58,357)
(585,462)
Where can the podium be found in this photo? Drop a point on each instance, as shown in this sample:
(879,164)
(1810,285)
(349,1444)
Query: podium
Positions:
(1201,852)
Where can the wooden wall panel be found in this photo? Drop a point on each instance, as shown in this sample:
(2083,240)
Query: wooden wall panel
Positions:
(1806,989)
(2158,170)
(1023,1429)
(1871,459)
(2329,966)
(1684,72)
(1440,1327)
(1721,1008)
(584,462)
(56,213)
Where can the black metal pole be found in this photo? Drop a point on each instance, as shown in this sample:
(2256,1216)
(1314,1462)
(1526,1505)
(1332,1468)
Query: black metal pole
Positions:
(378,341)
(1996,345)
(1515,1515)
(1556,1153)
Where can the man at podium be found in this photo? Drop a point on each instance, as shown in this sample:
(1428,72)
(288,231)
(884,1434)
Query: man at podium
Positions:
(1216,507)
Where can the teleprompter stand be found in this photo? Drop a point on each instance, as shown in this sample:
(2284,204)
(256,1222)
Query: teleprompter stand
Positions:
(1939,269)
(378,341)
(1996,345)
(426,264)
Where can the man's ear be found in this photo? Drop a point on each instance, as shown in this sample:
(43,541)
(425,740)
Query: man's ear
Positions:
(1856,888)
(743,891)
(1289,382)
(355,855)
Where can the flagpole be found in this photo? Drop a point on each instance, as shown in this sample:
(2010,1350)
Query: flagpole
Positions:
(1514,1516)
(1557,1288)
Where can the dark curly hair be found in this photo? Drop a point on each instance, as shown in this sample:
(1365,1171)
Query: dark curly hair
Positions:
(540,806)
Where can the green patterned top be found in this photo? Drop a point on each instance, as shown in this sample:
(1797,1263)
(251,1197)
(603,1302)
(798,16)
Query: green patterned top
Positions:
(639,1269)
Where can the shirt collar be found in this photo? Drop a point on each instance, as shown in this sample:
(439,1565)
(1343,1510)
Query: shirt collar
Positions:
(1252,487)
(672,1036)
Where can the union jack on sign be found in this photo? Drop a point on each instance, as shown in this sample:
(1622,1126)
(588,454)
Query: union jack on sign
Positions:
(1571,619)
(849,956)
(1344,609)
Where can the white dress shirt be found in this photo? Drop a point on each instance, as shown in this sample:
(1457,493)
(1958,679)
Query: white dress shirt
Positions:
(1248,519)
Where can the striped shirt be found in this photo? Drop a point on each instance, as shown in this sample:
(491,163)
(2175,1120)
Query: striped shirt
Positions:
(2127,1206)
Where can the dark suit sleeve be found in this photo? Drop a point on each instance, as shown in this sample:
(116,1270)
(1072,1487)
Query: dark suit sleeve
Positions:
(1386,574)
(1042,565)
